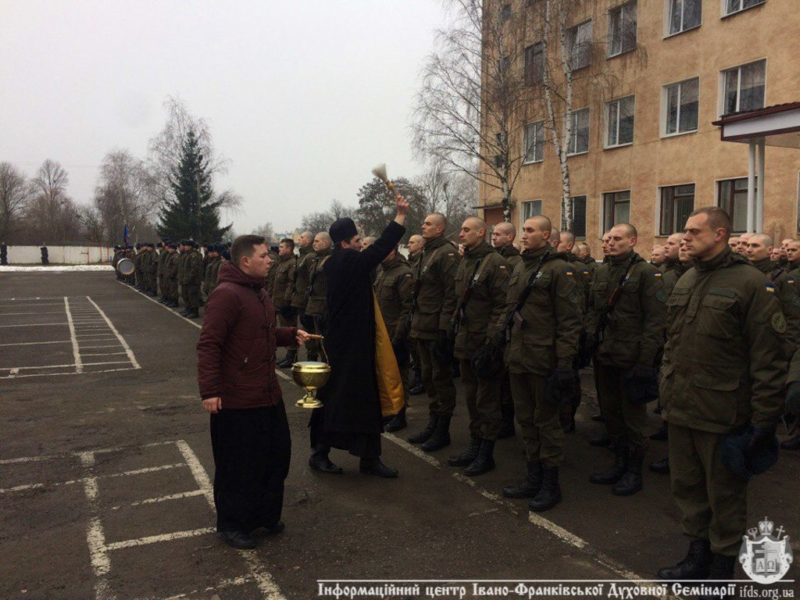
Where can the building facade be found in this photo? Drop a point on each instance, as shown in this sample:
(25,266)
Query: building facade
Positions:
(644,148)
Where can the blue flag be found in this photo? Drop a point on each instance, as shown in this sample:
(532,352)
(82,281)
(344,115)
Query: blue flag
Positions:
(125,234)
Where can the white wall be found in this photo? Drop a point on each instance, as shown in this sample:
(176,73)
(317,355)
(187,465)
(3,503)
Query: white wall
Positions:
(69,255)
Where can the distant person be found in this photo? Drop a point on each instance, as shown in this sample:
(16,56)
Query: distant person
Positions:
(45,254)
(249,431)
(3,254)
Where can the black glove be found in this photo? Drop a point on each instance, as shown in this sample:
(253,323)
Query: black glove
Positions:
(401,353)
(641,383)
(793,398)
(761,440)
(561,386)
(487,362)
(586,349)
(443,347)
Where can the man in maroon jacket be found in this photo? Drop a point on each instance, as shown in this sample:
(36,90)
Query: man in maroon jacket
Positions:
(236,374)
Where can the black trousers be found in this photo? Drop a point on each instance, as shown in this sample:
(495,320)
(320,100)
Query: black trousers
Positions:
(252,449)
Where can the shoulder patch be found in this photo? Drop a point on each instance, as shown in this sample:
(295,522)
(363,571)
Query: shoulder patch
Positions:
(658,274)
(568,273)
(501,267)
(407,275)
(770,287)
(778,322)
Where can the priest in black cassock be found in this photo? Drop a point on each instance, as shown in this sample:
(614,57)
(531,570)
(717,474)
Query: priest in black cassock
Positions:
(351,416)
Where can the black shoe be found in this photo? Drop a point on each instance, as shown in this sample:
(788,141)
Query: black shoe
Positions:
(397,422)
(269,531)
(193,314)
(528,487)
(424,435)
(550,493)
(615,473)
(792,443)
(441,436)
(601,441)
(417,390)
(506,430)
(375,466)
(288,360)
(631,480)
(721,569)
(660,466)
(238,539)
(484,462)
(467,456)
(599,418)
(661,434)
(323,464)
(695,564)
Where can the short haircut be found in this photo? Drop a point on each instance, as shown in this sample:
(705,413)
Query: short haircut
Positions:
(629,228)
(439,217)
(570,237)
(542,223)
(506,228)
(763,238)
(244,245)
(289,242)
(479,223)
(717,219)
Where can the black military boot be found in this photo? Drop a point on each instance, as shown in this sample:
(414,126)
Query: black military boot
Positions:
(615,473)
(528,487)
(721,569)
(467,456)
(792,443)
(424,435)
(549,494)
(319,461)
(660,466)
(375,466)
(484,462)
(662,433)
(507,423)
(694,566)
(601,440)
(416,387)
(398,421)
(441,436)
(631,481)
(289,359)
(192,313)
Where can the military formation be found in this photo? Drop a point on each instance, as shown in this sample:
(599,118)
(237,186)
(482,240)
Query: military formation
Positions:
(705,333)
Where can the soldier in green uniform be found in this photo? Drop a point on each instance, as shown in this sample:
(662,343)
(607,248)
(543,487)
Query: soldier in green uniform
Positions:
(138,273)
(434,303)
(626,324)
(503,236)
(152,270)
(270,279)
(300,286)
(213,262)
(394,289)
(722,382)
(282,294)
(315,311)
(790,296)
(161,251)
(170,276)
(543,327)
(415,245)
(481,283)
(183,254)
(191,280)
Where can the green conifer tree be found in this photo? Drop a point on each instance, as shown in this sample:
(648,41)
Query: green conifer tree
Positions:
(193,212)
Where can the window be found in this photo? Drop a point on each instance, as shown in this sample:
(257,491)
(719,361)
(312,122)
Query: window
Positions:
(534,142)
(579,43)
(578,217)
(683,15)
(744,87)
(532,208)
(619,118)
(677,203)
(616,208)
(734,6)
(505,13)
(732,197)
(503,65)
(534,64)
(579,138)
(681,106)
(622,29)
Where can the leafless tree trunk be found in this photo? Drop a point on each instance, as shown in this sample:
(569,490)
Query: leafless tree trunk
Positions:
(15,193)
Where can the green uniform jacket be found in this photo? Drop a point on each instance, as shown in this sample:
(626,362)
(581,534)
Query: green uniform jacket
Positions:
(270,279)
(394,289)
(192,269)
(300,287)
(317,284)
(547,337)
(171,273)
(480,316)
(152,265)
(634,332)
(725,360)
(162,261)
(672,274)
(212,272)
(283,283)
(435,289)
(511,254)
(181,265)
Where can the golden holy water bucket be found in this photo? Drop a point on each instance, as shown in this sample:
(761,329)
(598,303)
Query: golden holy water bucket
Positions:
(310,375)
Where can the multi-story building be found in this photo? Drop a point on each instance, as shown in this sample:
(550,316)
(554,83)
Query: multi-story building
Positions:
(646,149)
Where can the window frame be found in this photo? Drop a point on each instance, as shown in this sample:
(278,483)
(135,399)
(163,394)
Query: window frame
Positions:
(525,143)
(529,71)
(665,108)
(604,224)
(668,33)
(572,37)
(572,199)
(532,203)
(724,6)
(620,8)
(574,135)
(718,193)
(606,144)
(660,209)
(723,91)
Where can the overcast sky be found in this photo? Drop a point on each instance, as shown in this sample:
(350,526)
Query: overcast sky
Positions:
(303,97)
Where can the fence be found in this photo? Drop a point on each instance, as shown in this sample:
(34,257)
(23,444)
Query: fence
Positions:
(66,255)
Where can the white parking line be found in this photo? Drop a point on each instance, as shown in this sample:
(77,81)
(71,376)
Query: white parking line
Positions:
(164,537)
(178,496)
(36,325)
(55,312)
(36,486)
(121,339)
(36,343)
(76,353)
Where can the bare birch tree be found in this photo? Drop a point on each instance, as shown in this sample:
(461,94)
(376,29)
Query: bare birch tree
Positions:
(15,193)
